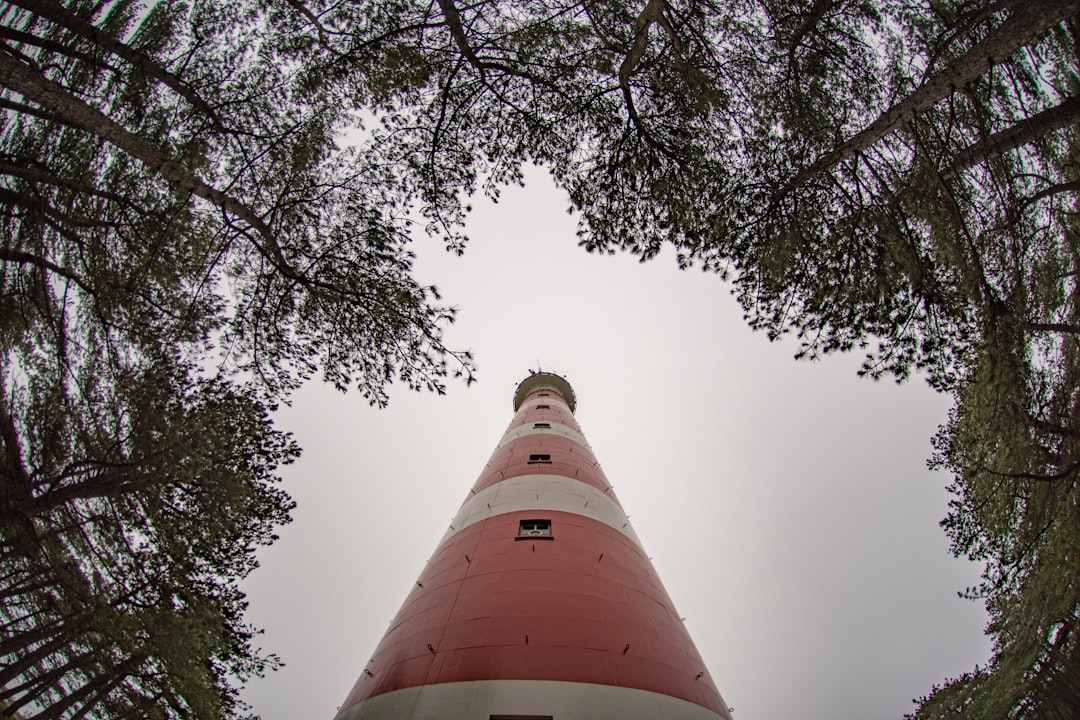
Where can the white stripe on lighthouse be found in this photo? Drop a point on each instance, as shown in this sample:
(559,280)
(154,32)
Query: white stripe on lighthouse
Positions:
(554,429)
(483,699)
(542,492)
(554,397)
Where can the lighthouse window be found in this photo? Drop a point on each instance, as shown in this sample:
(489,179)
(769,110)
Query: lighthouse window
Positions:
(534,528)
(541,425)
(543,407)
(539,458)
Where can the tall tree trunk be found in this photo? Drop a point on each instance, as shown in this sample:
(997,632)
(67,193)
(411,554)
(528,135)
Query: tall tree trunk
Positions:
(92,692)
(10,672)
(31,690)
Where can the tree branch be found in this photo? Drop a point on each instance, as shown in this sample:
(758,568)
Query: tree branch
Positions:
(1038,478)
(652,12)
(22,168)
(649,14)
(42,208)
(817,12)
(1024,132)
(1015,32)
(26,110)
(301,8)
(59,48)
(59,15)
(457,31)
(19,256)
(1053,190)
(1054,327)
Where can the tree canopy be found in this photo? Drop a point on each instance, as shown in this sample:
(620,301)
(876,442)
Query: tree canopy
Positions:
(183,244)
(187,231)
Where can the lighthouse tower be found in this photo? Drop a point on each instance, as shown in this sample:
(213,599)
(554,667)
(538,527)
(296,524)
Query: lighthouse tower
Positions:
(539,602)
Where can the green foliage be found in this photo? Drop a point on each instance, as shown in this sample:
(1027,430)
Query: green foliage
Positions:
(184,245)
(894,178)
(125,539)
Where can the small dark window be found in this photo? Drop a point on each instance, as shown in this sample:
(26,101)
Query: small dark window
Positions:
(534,528)
(543,407)
(520,717)
(539,458)
(541,425)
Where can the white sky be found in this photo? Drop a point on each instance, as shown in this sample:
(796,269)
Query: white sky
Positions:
(786,505)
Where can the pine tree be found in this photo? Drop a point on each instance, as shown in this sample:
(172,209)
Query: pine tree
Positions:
(895,178)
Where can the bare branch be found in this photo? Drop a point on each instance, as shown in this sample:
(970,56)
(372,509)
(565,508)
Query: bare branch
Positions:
(19,256)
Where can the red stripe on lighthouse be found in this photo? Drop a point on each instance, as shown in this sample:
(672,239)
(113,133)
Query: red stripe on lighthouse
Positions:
(496,611)
(580,598)
(542,453)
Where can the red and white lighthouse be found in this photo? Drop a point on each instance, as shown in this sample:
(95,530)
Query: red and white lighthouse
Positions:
(540,602)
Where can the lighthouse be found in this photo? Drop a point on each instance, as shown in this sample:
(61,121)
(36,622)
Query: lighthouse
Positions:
(539,602)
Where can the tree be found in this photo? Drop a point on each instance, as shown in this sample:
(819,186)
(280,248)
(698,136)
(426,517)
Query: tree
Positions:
(121,564)
(167,187)
(1014,509)
(894,175)
(756,138)
(302,237)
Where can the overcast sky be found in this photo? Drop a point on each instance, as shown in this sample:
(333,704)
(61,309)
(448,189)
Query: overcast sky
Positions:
(829,592)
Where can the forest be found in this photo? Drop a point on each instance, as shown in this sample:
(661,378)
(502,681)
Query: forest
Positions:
(206,204)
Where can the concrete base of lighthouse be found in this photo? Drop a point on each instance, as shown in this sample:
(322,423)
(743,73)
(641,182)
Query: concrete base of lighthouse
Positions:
(524,699)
